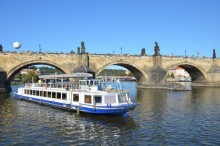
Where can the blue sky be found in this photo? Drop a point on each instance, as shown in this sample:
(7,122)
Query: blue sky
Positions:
(107,25)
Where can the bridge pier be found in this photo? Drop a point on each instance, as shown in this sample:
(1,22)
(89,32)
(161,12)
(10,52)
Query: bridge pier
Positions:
(4,84)
(156,76)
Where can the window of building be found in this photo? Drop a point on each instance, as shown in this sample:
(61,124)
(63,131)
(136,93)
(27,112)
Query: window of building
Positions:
(88,99)
(76,97)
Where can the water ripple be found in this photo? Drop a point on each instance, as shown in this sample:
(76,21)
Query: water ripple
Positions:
(162,118)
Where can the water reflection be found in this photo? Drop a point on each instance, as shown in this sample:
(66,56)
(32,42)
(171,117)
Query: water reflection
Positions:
(161,118)
(35,123)
(178,117)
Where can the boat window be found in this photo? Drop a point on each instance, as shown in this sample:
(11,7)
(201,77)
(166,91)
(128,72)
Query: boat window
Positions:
(45,94)
(34,92)
(41,93)
(124,97)
(53,94)
(26,91)
(96,82)
(76,97)
(119,98)
(49,94)
(88,99)
(110,98)
(83,83)
(58,95)
(37,93)
(30,92)
(64,96)
(98,99)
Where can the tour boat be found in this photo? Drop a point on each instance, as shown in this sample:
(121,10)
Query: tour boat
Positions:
(89,95)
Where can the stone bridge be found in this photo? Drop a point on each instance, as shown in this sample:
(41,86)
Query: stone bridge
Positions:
(150,71)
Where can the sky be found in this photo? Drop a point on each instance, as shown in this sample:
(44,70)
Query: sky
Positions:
(179,26)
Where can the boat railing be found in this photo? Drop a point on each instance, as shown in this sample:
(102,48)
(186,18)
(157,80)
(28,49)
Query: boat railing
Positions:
(69,86)
(51,85)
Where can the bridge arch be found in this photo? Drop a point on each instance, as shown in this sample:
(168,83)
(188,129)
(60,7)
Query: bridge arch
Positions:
(23,65)
(138,73)
(197,74)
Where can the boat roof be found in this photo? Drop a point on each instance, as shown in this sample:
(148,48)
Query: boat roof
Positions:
(74,75)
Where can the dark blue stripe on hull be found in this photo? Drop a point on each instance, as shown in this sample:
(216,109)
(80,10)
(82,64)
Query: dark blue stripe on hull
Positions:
(108,110)
(45,102)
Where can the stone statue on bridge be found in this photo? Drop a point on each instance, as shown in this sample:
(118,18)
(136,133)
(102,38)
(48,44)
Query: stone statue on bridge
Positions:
(214,54)
(156,50)
(143,52)
(83,49)
(78,50)
(1,48)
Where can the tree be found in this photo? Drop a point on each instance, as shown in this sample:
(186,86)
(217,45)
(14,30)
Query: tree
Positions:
(130,74)
(17,76)
(113,72)
(172,75)
(49,70)
(32,67)
(168,75)
(28,77)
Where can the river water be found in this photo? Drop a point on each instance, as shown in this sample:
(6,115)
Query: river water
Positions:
(161,118)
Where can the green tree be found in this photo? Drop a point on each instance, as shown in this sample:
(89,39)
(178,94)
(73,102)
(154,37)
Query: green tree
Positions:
(172,75)
(49,70)
(28,77)
(32,67)
(17,76)
(168,75)
(113,72)
(130,74)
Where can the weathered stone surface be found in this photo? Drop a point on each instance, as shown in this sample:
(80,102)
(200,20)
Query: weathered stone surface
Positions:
(215,69)
(204,71)
(157,74)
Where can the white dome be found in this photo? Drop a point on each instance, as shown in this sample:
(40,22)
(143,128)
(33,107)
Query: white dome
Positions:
(16,45)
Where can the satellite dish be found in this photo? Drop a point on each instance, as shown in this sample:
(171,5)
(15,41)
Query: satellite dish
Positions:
(16,45)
